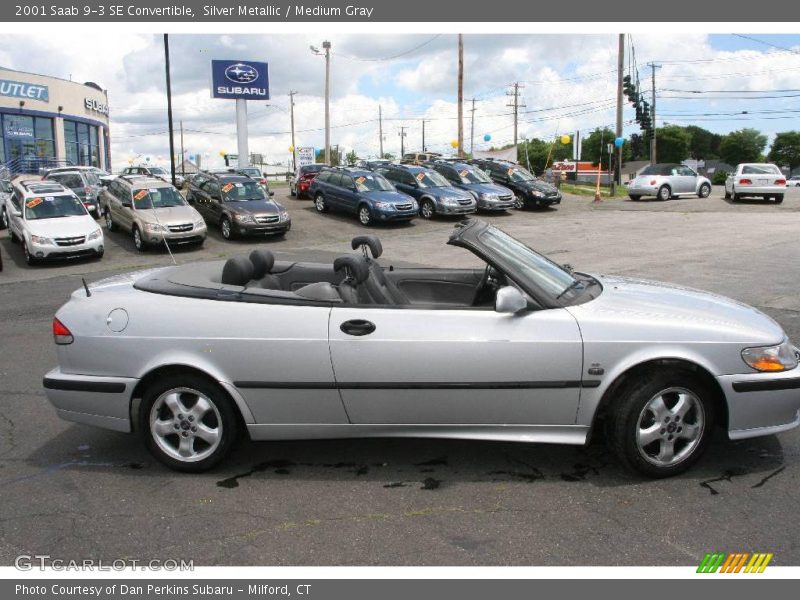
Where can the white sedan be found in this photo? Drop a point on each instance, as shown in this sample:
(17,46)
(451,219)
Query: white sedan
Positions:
(756,180)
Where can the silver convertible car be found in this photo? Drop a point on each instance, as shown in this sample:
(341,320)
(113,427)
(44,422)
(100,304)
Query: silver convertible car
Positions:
(193,356)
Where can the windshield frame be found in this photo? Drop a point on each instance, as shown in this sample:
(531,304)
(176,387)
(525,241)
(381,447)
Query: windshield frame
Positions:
(247,182)
(152,206)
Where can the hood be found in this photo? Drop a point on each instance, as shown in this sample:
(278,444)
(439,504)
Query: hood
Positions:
(388,196)
(63,227)
(486,188)
(173,215)
(254,207)
(538,186)
(675,312)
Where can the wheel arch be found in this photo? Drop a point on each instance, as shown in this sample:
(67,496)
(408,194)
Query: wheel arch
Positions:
(167,370)
(640,369)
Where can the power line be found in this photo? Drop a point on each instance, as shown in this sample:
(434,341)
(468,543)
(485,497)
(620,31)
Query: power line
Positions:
(385,58)
(752,39)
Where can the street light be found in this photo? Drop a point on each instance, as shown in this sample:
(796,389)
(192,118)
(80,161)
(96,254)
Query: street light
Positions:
(326,45)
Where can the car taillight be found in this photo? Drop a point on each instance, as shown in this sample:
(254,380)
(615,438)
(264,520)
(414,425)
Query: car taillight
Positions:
(653,182)
(780,182)
(61,334)
(745,182)
(263,182)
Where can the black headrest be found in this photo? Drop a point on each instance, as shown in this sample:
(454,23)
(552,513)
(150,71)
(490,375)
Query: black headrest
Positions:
(262,260)
(354,265)
(371,241)
(237,271)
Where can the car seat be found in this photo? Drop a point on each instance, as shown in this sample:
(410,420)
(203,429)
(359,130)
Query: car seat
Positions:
(356,272)
(263,261)
(378,285)
(237,271)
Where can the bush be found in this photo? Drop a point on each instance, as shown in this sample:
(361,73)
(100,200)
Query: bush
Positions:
(719,178)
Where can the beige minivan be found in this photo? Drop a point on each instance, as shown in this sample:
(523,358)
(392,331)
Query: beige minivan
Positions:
(151,210)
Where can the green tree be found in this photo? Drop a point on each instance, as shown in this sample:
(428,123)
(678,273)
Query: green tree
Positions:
(351,158)
(785,151)
(388,156)
(592,144)
(638,148)
(744,145)
(672,144)
(704,144)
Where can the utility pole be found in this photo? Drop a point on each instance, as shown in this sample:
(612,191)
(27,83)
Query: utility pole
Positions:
(327,46)
(380,131)
(183,156)
(423,135)
(291,113)
(472,128)
(169,110)
(460,94)
(402,135)
(515,104)
(618,149)
(653,161)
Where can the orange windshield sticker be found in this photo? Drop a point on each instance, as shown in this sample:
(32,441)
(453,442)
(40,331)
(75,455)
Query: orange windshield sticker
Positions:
(33,202)
(463,173)
(361,180)
(420,176)
(511,171)
(140,194)
(227,187)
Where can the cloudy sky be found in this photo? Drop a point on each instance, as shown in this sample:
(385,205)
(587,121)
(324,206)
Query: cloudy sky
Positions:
(568,83)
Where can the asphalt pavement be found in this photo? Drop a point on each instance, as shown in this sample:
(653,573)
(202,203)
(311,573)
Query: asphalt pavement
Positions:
(75,492)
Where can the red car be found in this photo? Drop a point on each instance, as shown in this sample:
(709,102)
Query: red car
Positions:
(303,178)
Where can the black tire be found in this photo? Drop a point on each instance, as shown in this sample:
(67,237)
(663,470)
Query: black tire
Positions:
(634,197)
(110,225)
(727,195)
(778,198)
(292,192)
(30,259)
(3,218)
(427,209)
(189,389)
(519,202)
(364,215)
(664,193)
(629,413)
(14,238)
(704,191)
(735,197)
(138,240)
(226,227)
(319,203)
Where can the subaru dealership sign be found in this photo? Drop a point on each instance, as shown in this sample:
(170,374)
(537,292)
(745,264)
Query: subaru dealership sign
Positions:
(239,79)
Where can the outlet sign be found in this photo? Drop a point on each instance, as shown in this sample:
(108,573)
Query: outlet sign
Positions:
(240,79)
(19,89)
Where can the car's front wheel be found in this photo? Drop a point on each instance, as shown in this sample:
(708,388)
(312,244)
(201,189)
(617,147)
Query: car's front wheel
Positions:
(3,219)
(138,240)
(226,228)
(109,220)
(519,202)
(319,203)
(30,259)
(365,215)
(188,423)
(427,209)
(704,191)
(661,423)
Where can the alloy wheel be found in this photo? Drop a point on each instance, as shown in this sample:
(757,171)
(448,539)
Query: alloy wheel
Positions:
(427,209)
(319,203)
(364,215)
(137,239)
(4,218)
(670,427)
(518,202)
(226,228)
(185,424)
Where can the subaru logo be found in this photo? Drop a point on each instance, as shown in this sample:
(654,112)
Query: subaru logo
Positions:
(241,73)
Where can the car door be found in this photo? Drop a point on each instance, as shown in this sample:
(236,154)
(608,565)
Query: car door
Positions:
(407,184)
(456,366)
(214,201)
(688,180)
(348,197)
(15,222)
(331,190)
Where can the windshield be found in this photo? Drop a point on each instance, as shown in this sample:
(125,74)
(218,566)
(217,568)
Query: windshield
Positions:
(53,207)
(157,198)
(251,171)
(529,266)
(373,183)
(242,191)
(473,176)
(157,171)
(428,179)
(761,170)
(519,174)
(92,178)
(311,169)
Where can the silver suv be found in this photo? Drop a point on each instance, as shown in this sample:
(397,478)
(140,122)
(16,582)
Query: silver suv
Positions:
(84,184)
(151,210)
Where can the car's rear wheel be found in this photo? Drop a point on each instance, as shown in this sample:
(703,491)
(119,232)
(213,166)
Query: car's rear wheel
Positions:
(365,215)
(3,218)
(634,197)
(319,203)
(427,209)
(704,191)
(226,228)
(138,240)
(664,193)
(661,423)
(778,198)
(187,422)
(292,192)
(727,194)
(109,220)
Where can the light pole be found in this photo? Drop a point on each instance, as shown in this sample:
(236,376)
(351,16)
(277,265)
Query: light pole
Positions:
(326,45)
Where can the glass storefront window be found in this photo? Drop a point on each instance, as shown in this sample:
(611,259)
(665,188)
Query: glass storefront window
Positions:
(82,144)
(27,141)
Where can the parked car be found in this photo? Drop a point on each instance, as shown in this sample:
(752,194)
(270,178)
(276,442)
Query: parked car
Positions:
(418,158)
(529,192)
(372,164)
(519,350)
(85,184)
(51,222)
(756,180)
(668,180)
(301,182)
(237,205)
(489,195)
(104,176)
(364,193)
(793,181)
(151,210)
(157,172)
(255,174)
(433,193)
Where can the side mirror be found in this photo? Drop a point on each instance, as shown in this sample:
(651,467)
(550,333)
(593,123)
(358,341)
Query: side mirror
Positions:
(509,300)
(16,213)
(127,204)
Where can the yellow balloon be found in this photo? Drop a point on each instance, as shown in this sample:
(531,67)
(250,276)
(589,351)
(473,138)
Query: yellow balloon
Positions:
(291,148)
(222,153)
(454,143)
(565,139)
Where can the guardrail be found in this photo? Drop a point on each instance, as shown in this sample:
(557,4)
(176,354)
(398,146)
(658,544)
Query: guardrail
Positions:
(33,165)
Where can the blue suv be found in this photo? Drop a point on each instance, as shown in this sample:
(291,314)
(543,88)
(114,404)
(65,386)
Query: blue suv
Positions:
(367,194)
(489,195)
(433,192)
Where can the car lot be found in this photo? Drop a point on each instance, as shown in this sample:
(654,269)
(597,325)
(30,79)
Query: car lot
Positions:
(72,491)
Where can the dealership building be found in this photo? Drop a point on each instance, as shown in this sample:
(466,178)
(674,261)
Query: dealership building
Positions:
(48,121)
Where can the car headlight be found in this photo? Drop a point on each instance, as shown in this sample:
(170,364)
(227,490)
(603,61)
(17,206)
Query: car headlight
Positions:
(782,357)
(199,224)
(536,194)
(449,201)
(284,215)
(154,227)
(244,218)
(490,197)
(41,241)
(384,205)
(95,234)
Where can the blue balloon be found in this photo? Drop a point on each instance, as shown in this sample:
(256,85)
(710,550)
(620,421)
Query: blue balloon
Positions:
(619,142)
(487,137)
